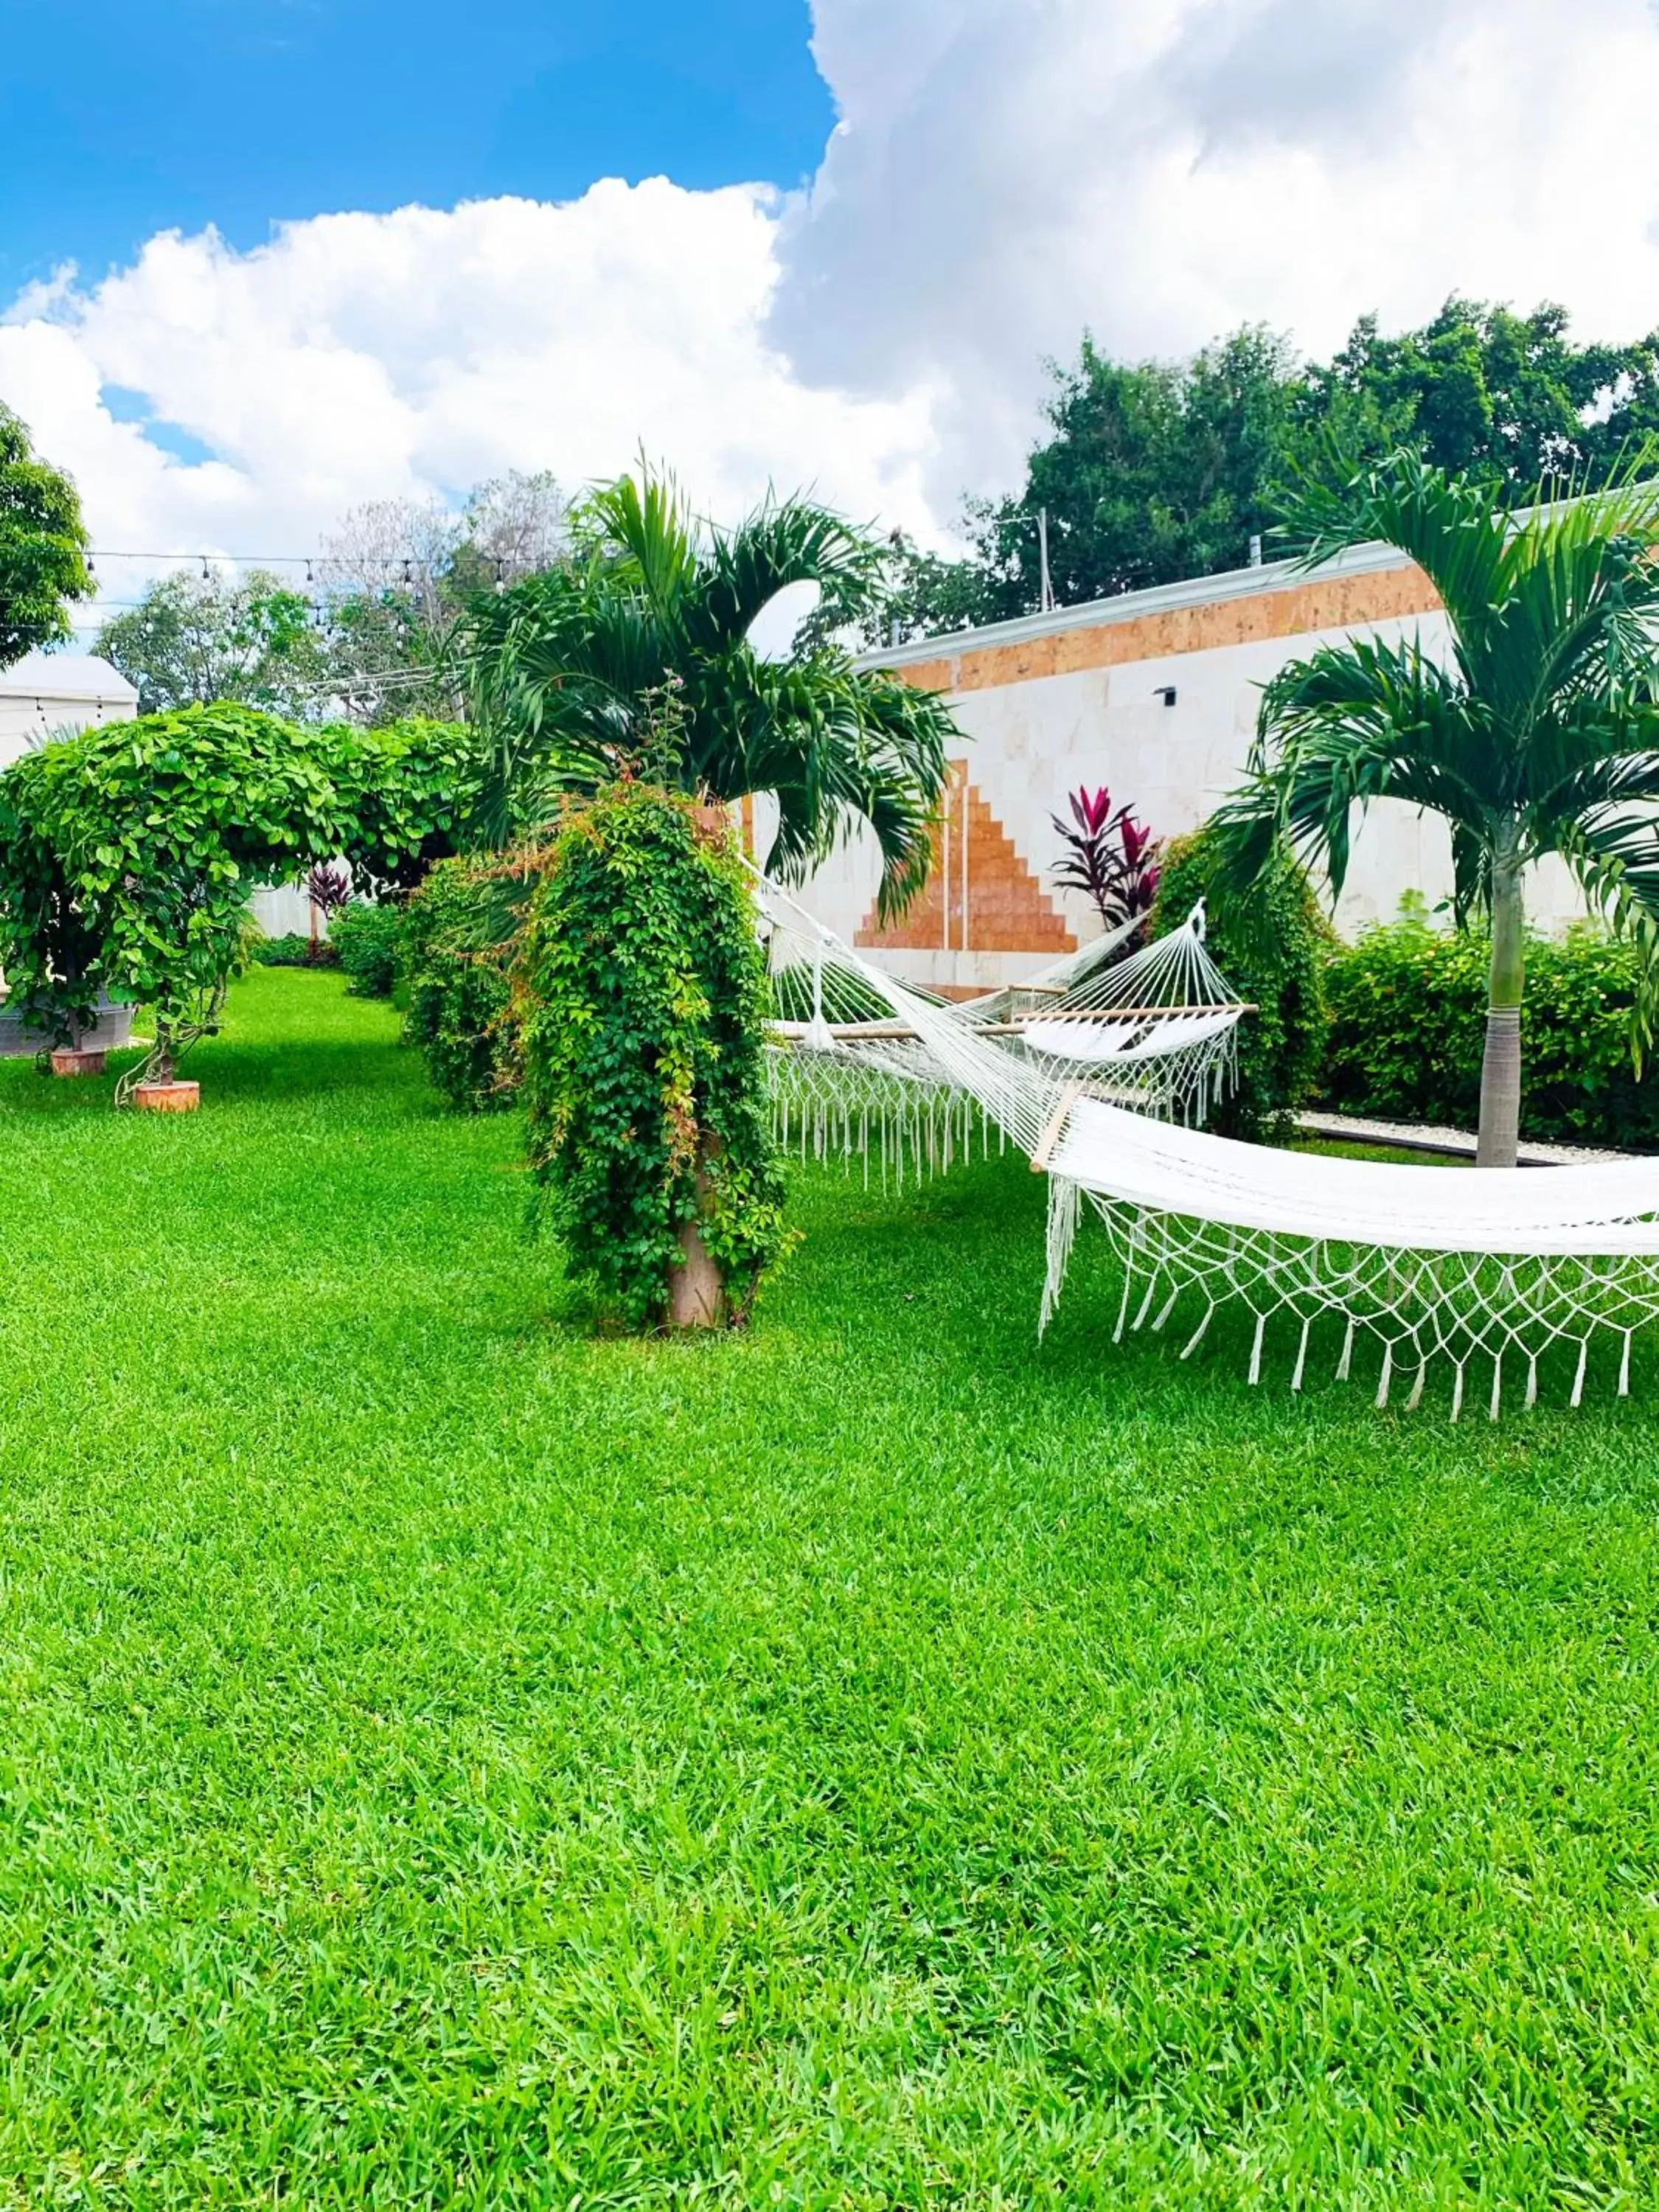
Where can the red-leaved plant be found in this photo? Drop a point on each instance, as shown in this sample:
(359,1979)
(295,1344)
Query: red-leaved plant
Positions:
(329,888)
(1111,858)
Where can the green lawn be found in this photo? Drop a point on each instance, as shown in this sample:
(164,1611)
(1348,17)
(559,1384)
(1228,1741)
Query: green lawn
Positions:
(448,1757)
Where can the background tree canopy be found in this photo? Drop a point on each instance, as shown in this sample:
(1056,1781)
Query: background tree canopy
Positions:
(1156,471)
(42,546)
(366,634)
(194,639)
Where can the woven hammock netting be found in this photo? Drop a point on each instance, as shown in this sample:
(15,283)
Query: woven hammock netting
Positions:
(1153,1027)
(1482,1274)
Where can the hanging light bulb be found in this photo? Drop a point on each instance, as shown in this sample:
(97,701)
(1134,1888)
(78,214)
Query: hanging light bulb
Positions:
(310,578)
(409,574)
(207,576)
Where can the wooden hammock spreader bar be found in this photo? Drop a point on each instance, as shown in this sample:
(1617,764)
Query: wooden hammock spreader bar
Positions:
(900,1032)
(1054,1125)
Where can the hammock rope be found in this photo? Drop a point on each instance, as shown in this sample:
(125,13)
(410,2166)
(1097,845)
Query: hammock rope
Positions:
(1461,1269)
(1156,1026)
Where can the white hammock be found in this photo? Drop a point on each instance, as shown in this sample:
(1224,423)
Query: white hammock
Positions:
(1157,1029)
(1492,1265)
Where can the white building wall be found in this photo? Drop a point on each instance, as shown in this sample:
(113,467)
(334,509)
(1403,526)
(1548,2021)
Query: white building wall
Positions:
(47,695)
(1033,741)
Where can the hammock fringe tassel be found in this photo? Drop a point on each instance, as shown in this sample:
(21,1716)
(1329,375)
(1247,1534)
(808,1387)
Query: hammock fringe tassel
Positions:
(1417,1307)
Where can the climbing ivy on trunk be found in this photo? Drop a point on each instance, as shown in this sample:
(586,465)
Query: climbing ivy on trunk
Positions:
(640,1008)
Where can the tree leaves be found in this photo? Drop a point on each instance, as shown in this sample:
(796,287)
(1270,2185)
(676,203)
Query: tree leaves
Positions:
(43,546)
(640,1008)
(128,854)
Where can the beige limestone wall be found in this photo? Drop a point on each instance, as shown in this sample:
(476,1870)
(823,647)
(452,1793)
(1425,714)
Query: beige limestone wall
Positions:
(1087,706)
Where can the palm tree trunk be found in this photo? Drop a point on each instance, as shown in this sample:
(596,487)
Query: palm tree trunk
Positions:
(696,1295)
(1500,1070)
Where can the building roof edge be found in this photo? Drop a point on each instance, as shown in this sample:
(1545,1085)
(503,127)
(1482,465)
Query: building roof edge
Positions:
(1127,606)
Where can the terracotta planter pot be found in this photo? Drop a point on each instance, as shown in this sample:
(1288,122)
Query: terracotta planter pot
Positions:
(67,1061)
(167,1098)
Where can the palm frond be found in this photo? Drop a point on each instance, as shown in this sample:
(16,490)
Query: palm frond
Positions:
(838,747)
(645,520)
(784,541)
(1454,527)
(1362,722)
(1581,594)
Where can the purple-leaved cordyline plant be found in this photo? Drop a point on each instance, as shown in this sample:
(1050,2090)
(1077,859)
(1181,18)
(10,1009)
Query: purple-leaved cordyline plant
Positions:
(1111,858)
(329,888)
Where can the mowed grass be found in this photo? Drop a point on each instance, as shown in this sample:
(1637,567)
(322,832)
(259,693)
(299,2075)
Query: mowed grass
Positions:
(451,1757)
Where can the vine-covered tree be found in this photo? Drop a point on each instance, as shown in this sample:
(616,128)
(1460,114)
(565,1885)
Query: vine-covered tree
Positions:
(43,546)
(639,1014)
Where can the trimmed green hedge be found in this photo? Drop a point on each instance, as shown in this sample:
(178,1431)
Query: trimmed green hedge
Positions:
(291,951)
(1269,941)
(366,938)
(1408,1007)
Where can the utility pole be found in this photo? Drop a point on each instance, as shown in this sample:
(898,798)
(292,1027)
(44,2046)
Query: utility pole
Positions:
(1045,589)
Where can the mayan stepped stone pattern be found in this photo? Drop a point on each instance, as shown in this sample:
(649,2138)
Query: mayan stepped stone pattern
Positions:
(992,904)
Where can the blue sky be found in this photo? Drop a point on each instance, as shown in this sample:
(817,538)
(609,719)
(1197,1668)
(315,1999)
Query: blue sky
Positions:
(121,120)
(382,323)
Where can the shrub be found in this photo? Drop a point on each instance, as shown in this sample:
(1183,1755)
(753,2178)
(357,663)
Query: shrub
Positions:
(366,936)
(641,1007)
(1269,941)
(1408,1007)
(458,932)
(1112,859)
(289,952)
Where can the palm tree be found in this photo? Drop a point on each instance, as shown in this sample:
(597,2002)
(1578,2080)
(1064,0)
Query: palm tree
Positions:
(1537,734)
(636,654)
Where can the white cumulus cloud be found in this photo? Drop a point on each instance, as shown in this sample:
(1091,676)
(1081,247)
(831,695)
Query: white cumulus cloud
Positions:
(371,357)
(1008,171)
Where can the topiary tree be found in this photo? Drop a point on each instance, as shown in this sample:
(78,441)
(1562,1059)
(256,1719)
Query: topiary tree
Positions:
(1269,941)
(128,854)
(640,1004)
